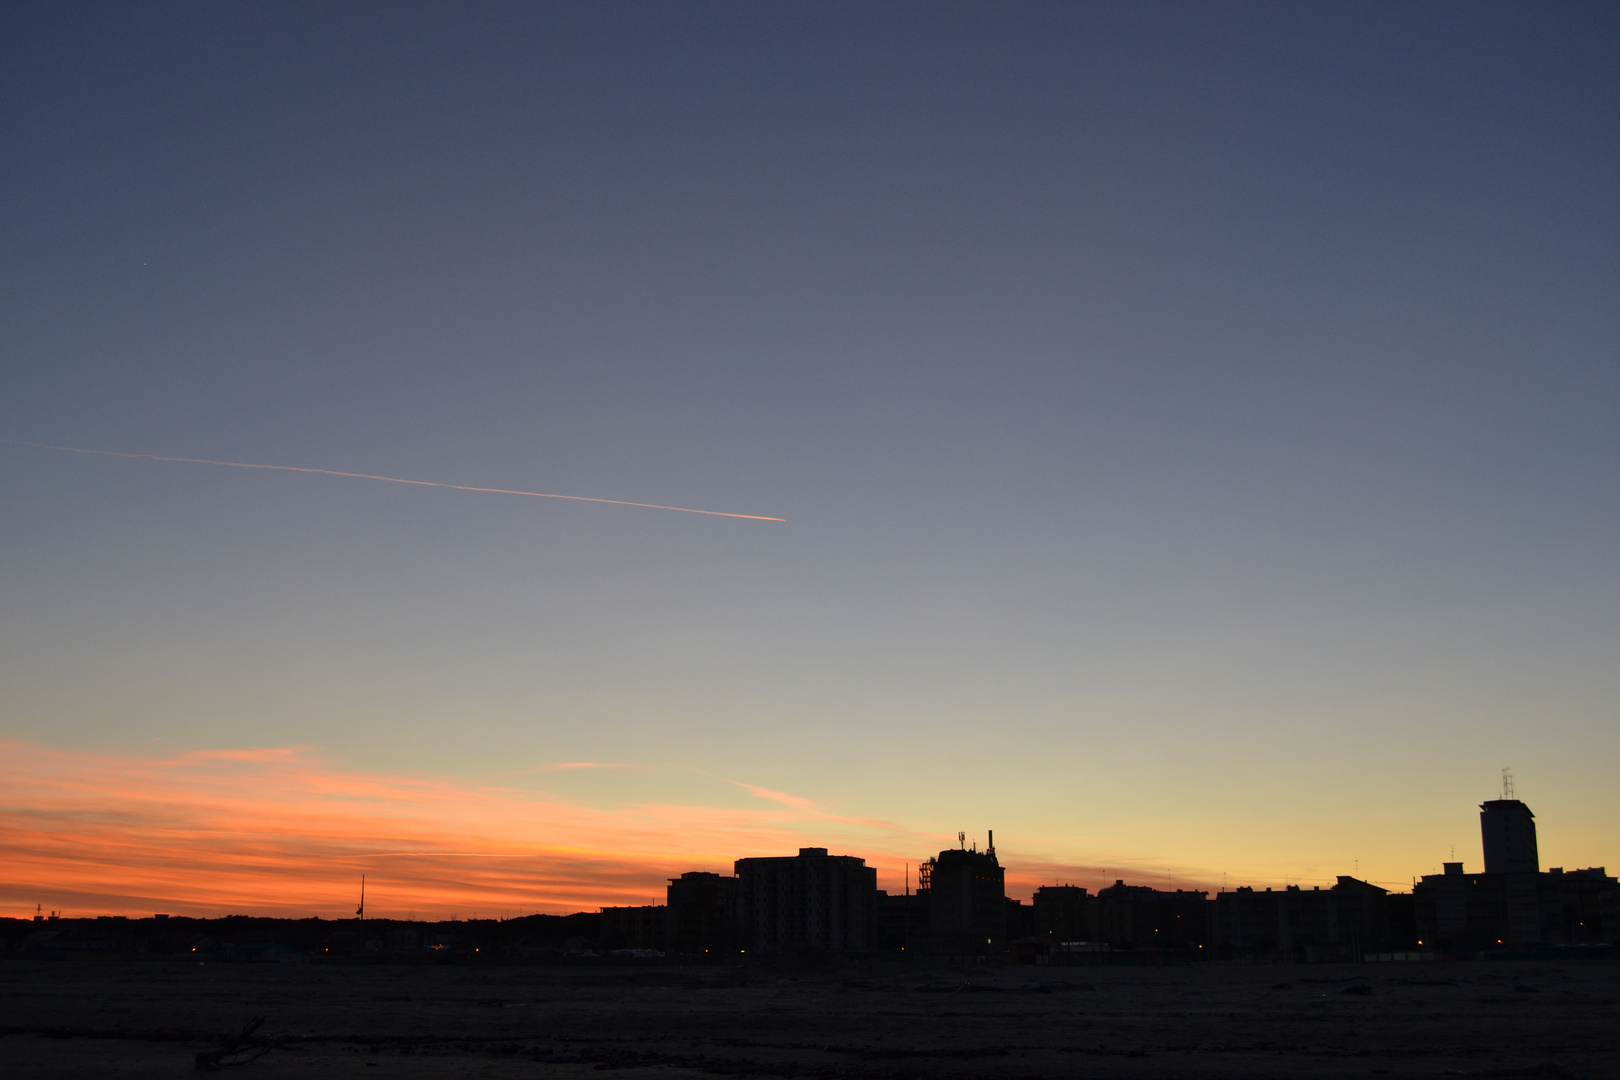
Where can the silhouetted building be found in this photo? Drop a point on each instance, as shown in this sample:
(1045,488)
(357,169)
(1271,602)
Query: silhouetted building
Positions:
(967,900)
(1136,915)
(1249,921)
(1063,913)
(1361,916)
(1465,913)
(634,927)
(702,913)
(1580,907)
(1402,908)
(1513,904)
(1342,922)
(1508,830)
(902,920)
(812,901)
(1019,921)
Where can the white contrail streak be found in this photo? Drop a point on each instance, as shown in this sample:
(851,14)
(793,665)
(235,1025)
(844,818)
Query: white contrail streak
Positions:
(385,479)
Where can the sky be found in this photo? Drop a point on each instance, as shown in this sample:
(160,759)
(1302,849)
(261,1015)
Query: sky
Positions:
(1194,426)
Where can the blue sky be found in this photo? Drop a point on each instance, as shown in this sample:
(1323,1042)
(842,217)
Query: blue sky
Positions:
(1195,423)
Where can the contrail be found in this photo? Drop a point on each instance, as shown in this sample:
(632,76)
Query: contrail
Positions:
(386,479)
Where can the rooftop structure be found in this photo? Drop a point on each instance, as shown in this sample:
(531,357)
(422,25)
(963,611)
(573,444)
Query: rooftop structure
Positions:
(968,899)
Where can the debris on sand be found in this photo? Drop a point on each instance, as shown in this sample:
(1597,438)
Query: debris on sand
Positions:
(238,1049)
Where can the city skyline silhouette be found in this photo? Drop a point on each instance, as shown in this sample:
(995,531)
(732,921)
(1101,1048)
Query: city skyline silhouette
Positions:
(525,453)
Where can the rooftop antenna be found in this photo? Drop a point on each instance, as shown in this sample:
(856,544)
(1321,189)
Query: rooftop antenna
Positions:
(1507,784)
(961,839)
(991,850)
(360,912)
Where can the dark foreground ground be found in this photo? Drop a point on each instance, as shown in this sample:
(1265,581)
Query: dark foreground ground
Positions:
(855,1019)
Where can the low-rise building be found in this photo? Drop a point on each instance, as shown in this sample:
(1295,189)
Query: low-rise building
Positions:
(1137,916)
(702,915)
(1350,918)
(902,921)
(1064,913)
(634,927)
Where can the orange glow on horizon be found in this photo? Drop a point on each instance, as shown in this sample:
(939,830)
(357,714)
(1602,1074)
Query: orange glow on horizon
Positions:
(279,831)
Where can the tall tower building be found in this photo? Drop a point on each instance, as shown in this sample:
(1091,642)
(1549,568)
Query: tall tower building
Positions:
(812,901)
(1508,830)
(968,899)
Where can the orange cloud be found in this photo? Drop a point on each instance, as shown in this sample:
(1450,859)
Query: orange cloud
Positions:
(280,831)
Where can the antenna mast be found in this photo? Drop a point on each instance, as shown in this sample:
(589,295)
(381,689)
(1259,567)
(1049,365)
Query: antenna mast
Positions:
(1507,784)
(360,912)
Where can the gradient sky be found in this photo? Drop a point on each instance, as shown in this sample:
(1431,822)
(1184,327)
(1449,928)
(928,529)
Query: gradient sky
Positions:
(1196,427)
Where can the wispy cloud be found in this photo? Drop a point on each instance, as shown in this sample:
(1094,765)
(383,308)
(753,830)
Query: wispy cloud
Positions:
(812,811)
(793,801)
(280,830)
(567,766)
